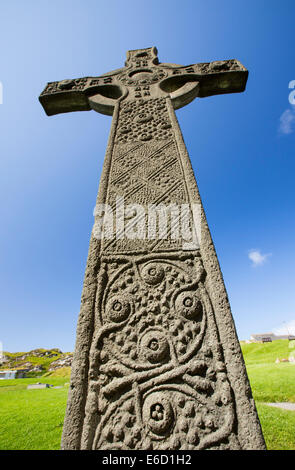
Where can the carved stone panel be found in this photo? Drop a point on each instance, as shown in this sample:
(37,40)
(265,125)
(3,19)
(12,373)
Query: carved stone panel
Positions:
(146,169)
(157,372)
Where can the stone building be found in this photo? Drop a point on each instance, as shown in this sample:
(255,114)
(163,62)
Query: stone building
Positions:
(13,374)
(268,337)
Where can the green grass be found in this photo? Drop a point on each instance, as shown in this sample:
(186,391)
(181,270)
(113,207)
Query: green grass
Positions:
(31,419)
(60,372)
(271,383)
(266,353)
(278,427)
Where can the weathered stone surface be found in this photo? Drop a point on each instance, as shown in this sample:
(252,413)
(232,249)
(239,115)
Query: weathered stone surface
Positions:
(157,363)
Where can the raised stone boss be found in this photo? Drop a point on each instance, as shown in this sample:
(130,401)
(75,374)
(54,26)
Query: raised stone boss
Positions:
(157,362)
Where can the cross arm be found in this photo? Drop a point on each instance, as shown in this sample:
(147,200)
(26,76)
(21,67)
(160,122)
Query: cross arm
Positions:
(74,95)
(214,78)
(227,76)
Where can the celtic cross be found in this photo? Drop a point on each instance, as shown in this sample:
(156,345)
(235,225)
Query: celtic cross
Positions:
(157,363)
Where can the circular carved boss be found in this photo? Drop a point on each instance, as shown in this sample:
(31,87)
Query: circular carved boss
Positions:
(152,273)
(118,309)
(158,413)
(142,118)
(154,347)
(143,76)
(189,305)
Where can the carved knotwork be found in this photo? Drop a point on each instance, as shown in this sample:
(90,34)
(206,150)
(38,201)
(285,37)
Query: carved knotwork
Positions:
(161,380)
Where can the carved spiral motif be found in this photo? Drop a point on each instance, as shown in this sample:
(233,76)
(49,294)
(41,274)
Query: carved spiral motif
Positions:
(189,306)
(158,413)
(66,84)
(154,347)
(145,136)
(118,309)
(152,273)
(143,117)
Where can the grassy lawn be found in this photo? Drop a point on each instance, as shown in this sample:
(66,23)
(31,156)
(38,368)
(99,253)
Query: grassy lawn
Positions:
(33,419)
(278,427)
(270,383)
(267,353)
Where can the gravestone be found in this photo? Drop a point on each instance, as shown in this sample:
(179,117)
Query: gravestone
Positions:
(157,363)
(38,386)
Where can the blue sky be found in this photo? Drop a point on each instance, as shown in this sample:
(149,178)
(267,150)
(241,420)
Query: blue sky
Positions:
(241,147)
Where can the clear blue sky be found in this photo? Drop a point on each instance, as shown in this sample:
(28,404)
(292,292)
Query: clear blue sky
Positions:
(241,147)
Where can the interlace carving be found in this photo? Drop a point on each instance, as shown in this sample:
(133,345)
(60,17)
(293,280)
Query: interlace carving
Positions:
(160,379)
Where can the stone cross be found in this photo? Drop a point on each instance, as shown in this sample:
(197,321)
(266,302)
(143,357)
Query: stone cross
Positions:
(157,363)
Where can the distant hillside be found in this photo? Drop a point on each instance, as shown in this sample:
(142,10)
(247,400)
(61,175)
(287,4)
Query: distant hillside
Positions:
(56,363)
(38,361)
(263,353)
